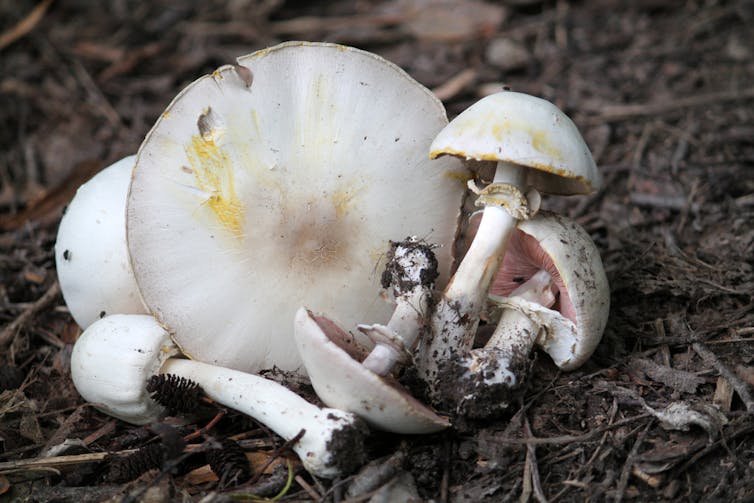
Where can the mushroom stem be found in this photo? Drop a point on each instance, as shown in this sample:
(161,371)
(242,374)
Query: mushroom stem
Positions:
(514,325)
(115,356)
(486,377)
(456,317)
(411,271)
(396,339)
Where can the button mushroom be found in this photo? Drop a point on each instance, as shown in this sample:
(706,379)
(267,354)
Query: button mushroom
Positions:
(347,377)
(535,145)
(553,293)
(115,356)
(276,183)
(91,256)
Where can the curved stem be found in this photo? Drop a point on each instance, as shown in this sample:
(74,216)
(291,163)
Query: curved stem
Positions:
(277,407)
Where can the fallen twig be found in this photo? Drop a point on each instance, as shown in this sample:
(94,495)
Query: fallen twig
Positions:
(615,113)
(569,439)
(25,25)
(455,84)
(531,461)
(741,387)
(623,481)
(10,331)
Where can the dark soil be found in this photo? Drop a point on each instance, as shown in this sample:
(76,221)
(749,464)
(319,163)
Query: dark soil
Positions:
(662,92)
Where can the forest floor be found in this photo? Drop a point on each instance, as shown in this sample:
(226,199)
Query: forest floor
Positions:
(662,92)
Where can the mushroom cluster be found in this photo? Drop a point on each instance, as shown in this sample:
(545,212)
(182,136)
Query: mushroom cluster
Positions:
(559,298)
(272,183)
(282,181)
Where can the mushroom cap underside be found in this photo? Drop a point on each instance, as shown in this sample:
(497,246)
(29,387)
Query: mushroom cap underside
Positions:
(280,182)
(524,130)
(563,248)
(342,382)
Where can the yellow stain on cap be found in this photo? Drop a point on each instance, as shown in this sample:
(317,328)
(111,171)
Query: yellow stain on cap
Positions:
(213,172)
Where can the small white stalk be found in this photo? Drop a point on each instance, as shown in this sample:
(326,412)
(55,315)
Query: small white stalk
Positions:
(115,356)
(411,272)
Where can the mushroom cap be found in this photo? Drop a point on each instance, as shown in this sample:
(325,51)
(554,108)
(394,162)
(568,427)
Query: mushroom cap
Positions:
(91,256)
(112,360)
(343,383)
(574,326)
(279,182)
(524,130)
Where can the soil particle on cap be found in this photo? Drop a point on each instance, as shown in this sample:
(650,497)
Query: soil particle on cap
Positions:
(347,447)
(400,277)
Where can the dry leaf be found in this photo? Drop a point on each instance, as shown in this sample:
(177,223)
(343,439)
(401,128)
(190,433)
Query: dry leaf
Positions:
(679,380)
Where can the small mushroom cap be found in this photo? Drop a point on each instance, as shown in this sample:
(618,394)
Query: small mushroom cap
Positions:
(112,360)
(343,383)
(279,182)
(527,131)
(91,256)
(574,326)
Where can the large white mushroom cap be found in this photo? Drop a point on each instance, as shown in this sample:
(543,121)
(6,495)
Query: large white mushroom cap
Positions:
(527,131)
(279,182)
(91,256)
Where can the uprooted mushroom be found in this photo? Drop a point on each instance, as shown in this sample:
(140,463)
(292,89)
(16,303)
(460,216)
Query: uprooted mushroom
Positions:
(254,196)
(115,356)
(347,376)
(552,292)
(536,148)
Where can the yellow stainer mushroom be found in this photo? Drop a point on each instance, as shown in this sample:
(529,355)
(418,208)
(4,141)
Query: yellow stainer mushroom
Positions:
(113,359)
(553,293)
(536,148)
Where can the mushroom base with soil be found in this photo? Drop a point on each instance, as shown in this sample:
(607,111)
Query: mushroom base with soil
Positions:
(555,296)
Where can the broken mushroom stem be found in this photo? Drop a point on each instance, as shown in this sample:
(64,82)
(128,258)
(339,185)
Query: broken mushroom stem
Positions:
(115,356)
(506,355)
(411,271)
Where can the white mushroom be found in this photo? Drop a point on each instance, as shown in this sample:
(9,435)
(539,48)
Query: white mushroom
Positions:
(536,147)
(333,359)
(90,251)
(115,356)
(346,377)
(276,183)
(553,293)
